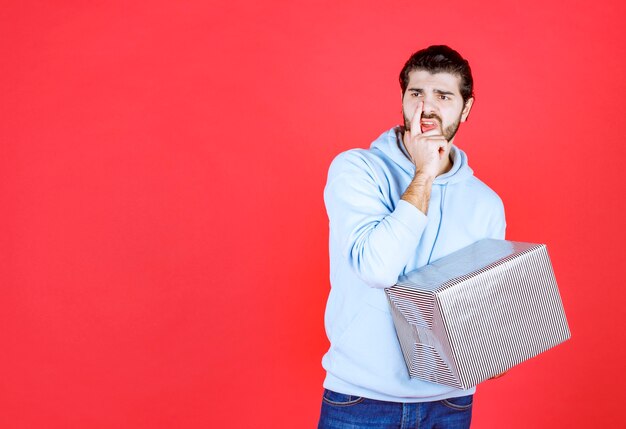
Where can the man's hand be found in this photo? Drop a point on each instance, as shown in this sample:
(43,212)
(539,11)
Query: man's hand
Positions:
(425,148)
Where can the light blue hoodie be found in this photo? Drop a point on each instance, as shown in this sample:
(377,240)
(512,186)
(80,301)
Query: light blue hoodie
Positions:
(374,238)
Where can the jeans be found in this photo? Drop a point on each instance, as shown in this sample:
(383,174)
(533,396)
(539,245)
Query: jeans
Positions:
(341,411)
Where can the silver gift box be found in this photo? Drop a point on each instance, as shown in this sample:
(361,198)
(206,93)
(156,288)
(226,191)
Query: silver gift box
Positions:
(478,312)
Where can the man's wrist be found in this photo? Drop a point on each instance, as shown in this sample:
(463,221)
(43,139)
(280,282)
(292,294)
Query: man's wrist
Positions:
(423,178)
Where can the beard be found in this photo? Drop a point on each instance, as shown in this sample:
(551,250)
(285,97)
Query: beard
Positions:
(448,132)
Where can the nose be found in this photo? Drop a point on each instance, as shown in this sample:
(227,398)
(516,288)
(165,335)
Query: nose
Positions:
(429,104)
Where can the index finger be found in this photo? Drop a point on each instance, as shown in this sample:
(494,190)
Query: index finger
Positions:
(416,128)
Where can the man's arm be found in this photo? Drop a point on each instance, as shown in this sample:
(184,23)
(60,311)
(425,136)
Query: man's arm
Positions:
(426,151)
(378,241)
(375,238)
(418,192)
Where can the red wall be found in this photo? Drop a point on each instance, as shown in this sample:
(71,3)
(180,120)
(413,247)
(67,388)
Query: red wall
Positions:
(163,237)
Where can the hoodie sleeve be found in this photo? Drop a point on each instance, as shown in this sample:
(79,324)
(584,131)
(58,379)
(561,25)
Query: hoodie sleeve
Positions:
(377,240)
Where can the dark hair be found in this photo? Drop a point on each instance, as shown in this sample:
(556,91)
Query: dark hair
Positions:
(440,59)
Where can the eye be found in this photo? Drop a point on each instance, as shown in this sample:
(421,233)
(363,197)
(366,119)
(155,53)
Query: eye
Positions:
(415,93)
(443,97)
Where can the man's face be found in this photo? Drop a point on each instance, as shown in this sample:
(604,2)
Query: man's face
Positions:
(443,104)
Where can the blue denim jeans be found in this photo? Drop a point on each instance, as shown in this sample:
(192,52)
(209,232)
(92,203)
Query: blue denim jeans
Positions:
(341,411)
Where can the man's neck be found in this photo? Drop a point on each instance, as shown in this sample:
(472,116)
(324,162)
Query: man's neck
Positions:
(445,165)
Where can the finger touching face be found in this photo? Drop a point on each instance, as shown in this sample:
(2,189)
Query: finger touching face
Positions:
(415,120)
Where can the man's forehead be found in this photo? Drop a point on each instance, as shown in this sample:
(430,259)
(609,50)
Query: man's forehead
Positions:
(441,80)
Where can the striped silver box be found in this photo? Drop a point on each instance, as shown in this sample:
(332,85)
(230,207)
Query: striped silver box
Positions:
(478,312)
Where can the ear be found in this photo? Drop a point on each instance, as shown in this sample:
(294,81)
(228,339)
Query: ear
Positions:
(466,109)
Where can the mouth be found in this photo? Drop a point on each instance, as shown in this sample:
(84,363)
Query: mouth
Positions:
(428,124)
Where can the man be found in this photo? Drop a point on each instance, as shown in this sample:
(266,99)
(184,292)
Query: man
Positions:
(408,200)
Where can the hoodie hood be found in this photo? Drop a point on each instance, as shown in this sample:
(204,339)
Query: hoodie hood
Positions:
(390,144)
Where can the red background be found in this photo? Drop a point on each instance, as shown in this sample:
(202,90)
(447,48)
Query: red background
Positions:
(163,236)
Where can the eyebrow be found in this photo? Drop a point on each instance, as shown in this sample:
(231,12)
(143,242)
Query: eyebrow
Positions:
(436,91)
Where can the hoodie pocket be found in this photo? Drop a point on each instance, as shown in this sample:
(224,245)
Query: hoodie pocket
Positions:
(369,350)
